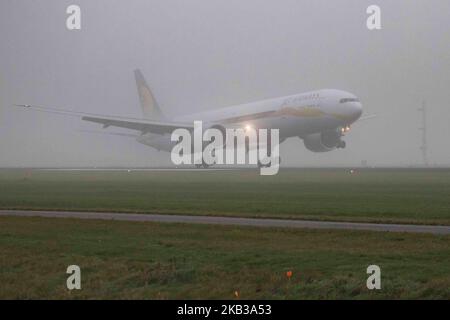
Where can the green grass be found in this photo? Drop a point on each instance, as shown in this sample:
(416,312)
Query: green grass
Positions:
(381,195)
(166,261)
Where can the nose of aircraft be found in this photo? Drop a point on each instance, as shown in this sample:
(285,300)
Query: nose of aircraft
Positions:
(355,110)
(352,110)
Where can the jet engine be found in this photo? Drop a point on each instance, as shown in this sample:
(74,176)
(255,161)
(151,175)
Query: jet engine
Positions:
(324,141)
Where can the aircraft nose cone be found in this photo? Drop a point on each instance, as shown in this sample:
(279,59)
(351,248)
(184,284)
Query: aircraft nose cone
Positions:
(354,111)
(357,111)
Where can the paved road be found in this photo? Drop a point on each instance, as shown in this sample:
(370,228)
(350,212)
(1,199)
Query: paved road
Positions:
(233,221)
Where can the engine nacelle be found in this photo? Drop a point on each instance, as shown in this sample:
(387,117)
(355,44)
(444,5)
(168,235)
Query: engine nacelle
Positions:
(324,141)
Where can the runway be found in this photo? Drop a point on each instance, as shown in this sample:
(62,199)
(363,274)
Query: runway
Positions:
(137,169)
(254,222)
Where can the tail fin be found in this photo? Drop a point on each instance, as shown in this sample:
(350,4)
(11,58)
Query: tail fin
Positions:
(150,108)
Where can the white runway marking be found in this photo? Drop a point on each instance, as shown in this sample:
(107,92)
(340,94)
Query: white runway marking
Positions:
(255,222)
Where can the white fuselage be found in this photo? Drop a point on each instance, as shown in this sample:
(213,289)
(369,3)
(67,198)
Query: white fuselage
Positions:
(296,115)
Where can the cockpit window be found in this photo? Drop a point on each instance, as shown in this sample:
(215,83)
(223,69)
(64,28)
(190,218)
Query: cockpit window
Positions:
(349,100)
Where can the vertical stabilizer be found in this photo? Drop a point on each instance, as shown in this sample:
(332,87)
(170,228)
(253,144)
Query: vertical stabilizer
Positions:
(150,108)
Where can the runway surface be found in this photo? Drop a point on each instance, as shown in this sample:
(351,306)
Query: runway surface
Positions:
(255,222)
(137,169)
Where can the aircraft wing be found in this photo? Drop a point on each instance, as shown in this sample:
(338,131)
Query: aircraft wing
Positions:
(367,117)
(142,125)
(120,134)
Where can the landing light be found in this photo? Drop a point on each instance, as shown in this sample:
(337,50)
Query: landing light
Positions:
(345,129)
(248,127)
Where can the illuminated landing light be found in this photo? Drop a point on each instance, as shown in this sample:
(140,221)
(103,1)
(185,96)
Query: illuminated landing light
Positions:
(345,129)
(248,127)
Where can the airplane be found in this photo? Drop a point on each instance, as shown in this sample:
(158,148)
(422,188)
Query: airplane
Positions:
(320,118)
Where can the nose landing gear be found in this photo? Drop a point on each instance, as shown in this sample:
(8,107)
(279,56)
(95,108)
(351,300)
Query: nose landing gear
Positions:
(341,145)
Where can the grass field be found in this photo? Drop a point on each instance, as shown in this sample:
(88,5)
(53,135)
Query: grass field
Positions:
(165,261)
(377,195)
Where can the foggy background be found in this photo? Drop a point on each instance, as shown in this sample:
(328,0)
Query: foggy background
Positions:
(203,54)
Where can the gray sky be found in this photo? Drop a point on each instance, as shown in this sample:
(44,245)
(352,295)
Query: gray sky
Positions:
(204,54)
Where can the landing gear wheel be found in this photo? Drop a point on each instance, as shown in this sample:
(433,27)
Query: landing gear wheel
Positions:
(341,145)
(260,165)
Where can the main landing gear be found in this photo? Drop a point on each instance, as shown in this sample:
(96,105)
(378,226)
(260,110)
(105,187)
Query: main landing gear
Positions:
(260,165)
(204,165)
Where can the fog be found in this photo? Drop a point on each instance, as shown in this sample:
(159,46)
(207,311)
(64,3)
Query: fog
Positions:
(203,54)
